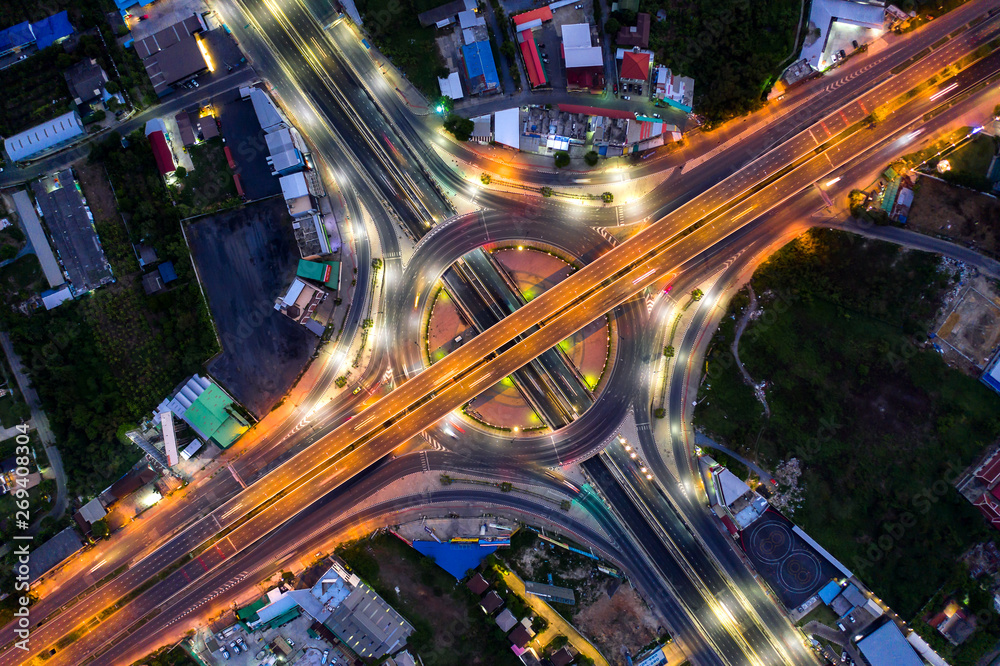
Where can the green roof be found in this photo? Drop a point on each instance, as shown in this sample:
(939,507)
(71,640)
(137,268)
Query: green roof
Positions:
(284,618)
(209,416)
(315,270)
(249,613)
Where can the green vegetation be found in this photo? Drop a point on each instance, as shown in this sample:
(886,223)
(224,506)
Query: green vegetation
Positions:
(880,425)
(449,627)
(562,159)
(732,48)
(109,358)
(977,597)
(394,28)
(591,158)
(21,278)
(459,126)
(34,91)
(175,656)
(209,186)
(970,162)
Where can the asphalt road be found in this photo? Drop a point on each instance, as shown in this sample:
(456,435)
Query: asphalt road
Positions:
(553,331)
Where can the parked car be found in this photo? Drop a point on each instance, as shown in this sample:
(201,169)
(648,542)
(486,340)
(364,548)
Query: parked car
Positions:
(225,653)
(840,625)
(326,653)
(236,648)
(242,644)
(626,97)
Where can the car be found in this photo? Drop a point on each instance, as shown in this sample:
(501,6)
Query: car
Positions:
(236,648)
(290,642)
(578,7)
(616,88)
(194,82)
(626,97)
(843,54)
(243,644)
(357,390)
(854,43)
(851,618)
(225,653)
(326,653)
(840,625)
(843,655)
(23,57)
(668,289)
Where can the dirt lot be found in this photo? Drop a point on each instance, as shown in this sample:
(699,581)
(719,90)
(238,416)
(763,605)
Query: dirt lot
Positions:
(97,191)
(612,623)
(957,213)
(970,326)
(616,623)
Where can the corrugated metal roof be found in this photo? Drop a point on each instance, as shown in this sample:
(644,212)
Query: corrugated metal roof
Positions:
(42,137)
(886,646)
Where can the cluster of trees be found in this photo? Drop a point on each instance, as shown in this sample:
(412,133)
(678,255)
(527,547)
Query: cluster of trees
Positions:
(461,127)
(880,424)
(395,29)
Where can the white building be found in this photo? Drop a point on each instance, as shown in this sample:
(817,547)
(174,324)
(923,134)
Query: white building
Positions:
(45,137)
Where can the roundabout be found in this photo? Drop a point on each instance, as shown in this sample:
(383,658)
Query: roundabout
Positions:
(503,425)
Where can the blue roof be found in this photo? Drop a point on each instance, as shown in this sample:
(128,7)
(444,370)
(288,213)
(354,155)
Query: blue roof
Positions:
(167,271)
(479,64)
(50,30)
(829,592)
(125,4)
(15,37)
(455,558)
(886,646)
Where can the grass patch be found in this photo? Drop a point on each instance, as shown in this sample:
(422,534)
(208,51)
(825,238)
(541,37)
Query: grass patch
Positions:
(399,35)
(210,185)
(21,278)
(821,614)
(970,162)
(880,425)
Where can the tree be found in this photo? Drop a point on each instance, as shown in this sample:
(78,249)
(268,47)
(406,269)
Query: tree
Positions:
(562,159)
(461,127)
(546,191)
(668,351)
(99,529)
(696,294)
(591,158)
(111,87)
(508,50)
(607,197)
(8,252)
(612,26)
(181,173)
(485,179)
(659,412)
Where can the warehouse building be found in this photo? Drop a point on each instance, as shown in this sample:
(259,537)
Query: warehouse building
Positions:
(44,138)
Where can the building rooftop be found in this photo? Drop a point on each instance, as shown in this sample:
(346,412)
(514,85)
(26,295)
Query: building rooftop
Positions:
(506,620)
(520,636)
(211,417)
(491,602)
(39,241)
(86,80)
(635,66)
(480,67)
(561,595)
(52,552)
(161,152)
(886,646)
(50,30)
(72,230)
(635,35)
(41,138)
(172,54)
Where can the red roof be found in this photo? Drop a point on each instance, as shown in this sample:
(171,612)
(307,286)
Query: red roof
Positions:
(585,77)
(164,160)
(596,111)
(543,13)
(727,521)
(989,473)
(988,507)
(635,36)
(635,66)
(532,63)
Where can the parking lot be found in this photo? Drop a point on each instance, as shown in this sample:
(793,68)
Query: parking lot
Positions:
(246,257)
(307,645)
